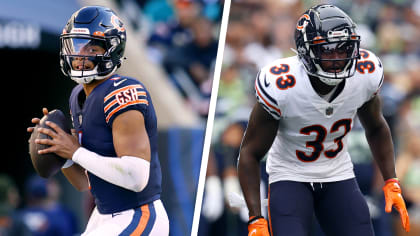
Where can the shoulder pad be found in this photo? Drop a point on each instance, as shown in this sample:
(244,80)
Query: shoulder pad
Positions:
(274,82)
(264,96)
(124,93)
(370,68)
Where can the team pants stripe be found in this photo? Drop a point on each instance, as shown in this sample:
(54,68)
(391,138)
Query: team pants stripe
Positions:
(152,220)
(142,222)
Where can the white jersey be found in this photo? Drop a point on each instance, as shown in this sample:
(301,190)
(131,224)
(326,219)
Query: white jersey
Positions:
(311,141)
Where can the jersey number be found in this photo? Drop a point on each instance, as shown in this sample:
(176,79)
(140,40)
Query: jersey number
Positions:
(365,66)
(317,144)
(283,82)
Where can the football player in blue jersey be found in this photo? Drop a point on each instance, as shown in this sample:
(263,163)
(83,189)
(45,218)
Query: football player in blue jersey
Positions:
(306,106)
(113,149)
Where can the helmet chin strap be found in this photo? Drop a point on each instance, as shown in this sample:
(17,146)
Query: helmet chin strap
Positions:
(80,78)
(330,82)
(327,81)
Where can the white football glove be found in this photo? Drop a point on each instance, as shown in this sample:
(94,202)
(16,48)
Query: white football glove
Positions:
(213,203)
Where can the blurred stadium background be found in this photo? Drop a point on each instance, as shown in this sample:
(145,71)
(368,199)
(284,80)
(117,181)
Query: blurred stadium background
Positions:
(260,31)
(171,48)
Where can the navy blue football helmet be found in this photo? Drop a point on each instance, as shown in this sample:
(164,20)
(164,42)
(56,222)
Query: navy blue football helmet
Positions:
(326,29)
(92,44)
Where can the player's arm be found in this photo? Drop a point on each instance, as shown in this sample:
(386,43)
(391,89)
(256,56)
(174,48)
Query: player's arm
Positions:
(65,145)
(75,174)
(130,136)
(379,138)
(131,142)
(259,136)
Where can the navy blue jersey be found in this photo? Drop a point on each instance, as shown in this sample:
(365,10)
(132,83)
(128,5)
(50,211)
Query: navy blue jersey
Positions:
(92,118)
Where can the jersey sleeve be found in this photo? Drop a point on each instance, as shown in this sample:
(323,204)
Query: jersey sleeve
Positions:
(125,95)
(265,93)
(371,66)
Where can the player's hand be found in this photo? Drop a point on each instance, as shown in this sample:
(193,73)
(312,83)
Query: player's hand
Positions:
(393,197)
(257,226)
(62,143)
(213,198)
(36,120)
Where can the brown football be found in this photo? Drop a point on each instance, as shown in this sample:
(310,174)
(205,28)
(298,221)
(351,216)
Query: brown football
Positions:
(47,165)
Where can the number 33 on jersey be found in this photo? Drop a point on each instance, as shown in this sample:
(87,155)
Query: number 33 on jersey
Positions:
(310,145)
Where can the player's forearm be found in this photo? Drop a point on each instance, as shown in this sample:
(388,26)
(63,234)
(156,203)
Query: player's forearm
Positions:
(128,172)
(382,148)
(249,178)
(75,174)
(258,138)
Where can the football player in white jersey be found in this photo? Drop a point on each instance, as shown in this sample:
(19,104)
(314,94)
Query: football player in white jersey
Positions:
(306,106)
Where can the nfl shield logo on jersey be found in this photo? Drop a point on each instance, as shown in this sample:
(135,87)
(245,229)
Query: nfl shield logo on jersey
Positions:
(329,111)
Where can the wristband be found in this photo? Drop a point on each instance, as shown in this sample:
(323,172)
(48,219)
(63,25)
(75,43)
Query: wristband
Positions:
(252,219)
(394,180)
(67,164)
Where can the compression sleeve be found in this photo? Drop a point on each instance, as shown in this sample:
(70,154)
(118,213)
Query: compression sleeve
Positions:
(128,172)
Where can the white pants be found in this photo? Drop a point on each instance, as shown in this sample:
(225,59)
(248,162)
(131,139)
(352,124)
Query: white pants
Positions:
(150,219)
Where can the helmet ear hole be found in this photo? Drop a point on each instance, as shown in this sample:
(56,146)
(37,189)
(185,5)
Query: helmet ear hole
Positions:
(109,65)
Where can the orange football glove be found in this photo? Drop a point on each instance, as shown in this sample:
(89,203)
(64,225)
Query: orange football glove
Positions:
(257,226)
(393,197)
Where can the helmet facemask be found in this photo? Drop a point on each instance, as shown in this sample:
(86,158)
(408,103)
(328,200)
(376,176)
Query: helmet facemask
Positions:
(85,58)
(334,58)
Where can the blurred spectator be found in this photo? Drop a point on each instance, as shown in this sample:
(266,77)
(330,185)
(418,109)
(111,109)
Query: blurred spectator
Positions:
(232,93)
(408,170)
(11,224)
(261,50)
(59,211)
(410,115)
(213,203)
(173,32)
(158,10)
(190,66)
(393,92)
(222,164)
(364,12)
(43,215)
(223,161)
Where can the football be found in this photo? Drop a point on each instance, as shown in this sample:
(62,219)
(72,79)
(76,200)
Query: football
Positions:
(47,165)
